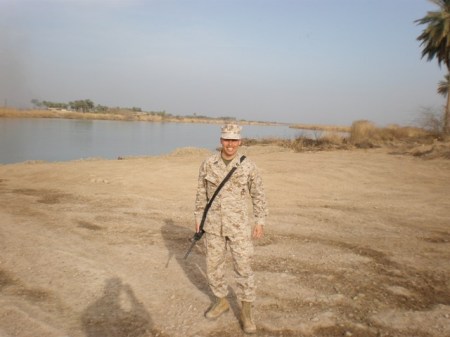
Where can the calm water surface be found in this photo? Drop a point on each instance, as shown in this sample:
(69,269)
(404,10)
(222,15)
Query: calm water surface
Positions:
(65,139)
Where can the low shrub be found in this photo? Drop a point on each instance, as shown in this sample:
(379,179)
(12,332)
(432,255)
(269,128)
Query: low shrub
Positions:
(362,132)
(328,141)
(365,134)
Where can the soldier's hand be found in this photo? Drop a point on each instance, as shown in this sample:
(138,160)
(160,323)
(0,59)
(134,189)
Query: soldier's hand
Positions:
(197,227)
(258,231)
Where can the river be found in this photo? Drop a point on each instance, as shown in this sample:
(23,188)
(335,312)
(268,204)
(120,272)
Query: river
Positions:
(29,139)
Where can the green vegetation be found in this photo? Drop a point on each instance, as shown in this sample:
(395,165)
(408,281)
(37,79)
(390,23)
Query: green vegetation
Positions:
(84,105)
(435,41)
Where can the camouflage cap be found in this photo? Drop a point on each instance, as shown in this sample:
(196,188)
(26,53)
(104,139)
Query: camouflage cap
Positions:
(231,131)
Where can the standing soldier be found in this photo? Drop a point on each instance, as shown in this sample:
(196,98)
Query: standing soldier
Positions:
(227,223)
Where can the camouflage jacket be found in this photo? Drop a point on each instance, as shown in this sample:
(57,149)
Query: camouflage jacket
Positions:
(228,214)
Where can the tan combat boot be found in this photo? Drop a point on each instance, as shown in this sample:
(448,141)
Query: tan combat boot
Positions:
(221,306)
(247,319)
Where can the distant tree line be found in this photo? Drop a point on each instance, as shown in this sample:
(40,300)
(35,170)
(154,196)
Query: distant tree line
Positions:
(87,105)
(196,116)
(84,105)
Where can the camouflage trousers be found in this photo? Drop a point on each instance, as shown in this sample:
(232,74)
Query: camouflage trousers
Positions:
(241,251)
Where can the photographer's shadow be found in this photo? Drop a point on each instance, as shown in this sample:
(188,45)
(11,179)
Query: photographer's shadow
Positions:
(117,313)
(176,239)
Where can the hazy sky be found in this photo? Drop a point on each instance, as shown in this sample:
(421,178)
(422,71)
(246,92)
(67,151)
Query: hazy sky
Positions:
(298,61)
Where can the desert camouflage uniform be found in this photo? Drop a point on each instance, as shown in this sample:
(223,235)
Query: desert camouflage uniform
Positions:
(227,222)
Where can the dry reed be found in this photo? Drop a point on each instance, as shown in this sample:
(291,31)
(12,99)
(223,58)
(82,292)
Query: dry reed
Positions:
(365,134)
(328,128)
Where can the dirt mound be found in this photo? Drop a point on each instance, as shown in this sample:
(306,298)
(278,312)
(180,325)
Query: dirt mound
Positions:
(435,150)
(189,151)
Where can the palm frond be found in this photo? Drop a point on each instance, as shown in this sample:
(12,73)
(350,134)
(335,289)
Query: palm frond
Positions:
(443,86)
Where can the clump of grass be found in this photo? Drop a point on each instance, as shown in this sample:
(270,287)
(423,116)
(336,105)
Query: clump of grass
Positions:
(14,113)
(365,134)
(362,132)
(393,132)
(327,141)
(266,141)
(317,127)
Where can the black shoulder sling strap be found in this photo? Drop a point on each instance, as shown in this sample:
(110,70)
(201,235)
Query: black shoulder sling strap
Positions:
(199,234)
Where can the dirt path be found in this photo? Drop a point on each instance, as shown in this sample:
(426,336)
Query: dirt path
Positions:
(357,244)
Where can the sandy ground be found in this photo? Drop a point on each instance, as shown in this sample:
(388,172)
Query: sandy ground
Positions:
(357,244)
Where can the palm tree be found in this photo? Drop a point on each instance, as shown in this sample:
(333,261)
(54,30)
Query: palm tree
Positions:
(443,86)
(435,41)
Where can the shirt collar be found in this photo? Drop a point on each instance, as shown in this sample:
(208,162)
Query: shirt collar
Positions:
(218,159)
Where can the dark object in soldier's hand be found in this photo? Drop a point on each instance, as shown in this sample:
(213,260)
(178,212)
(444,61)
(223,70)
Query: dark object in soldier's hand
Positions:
(197,236)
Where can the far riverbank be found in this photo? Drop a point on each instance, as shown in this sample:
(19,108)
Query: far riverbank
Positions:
(126,115)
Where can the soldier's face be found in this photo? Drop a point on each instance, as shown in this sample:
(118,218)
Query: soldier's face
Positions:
(229,147)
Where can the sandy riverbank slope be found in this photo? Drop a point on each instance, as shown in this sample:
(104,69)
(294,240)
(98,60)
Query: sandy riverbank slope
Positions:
(357,244)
